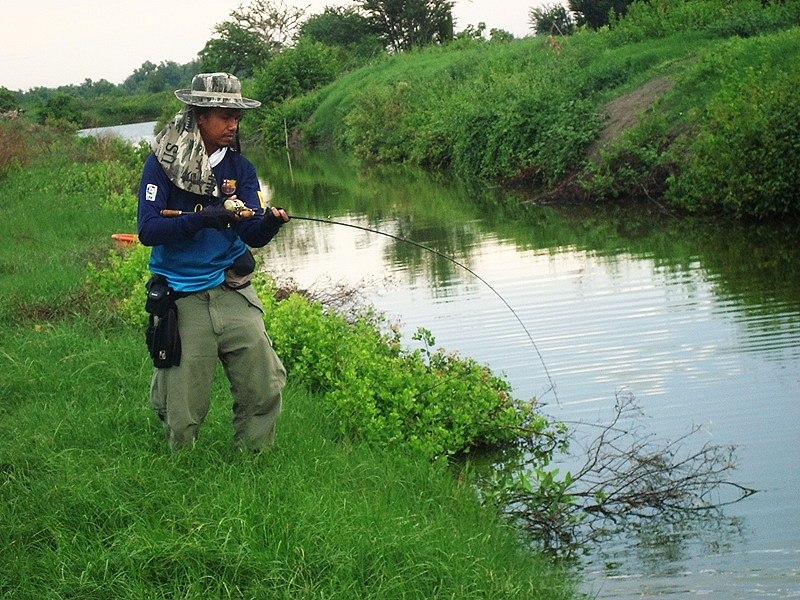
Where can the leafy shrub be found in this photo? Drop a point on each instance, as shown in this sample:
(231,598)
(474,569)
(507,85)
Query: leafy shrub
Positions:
(8,100)
(120,282)
(635,165)
(113,173)
(377,128)
(718,18)
(744,155)
(62,111)
(128,108)
(431,402)
(298,70)
(289,118)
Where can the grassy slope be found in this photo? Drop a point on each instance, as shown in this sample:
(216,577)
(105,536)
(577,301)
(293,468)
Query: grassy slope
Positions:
(93,506)
(530,113)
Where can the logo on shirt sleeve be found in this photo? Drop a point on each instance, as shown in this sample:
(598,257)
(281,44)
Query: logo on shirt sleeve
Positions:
(150,192)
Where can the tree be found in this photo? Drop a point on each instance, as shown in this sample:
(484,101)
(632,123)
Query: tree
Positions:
(472,32)
(343,28)
(404,24)
(61,109)
(500,36)
(551,20)
(595,13)
(274,23)
(235,51)
(295,71)
(151,77)
(8,99)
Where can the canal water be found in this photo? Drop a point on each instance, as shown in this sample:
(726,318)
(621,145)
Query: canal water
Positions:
(132,132)
(699,320)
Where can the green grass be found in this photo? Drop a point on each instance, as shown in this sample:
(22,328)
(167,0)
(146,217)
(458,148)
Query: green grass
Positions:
(93,505)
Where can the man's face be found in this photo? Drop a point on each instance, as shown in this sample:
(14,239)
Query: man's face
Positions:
(218,127)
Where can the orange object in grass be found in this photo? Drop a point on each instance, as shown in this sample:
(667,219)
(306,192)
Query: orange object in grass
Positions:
(124,240)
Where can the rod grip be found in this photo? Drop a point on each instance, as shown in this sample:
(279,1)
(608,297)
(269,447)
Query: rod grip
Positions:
(169,212)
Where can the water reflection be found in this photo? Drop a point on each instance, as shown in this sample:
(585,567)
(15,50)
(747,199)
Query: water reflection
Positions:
(700,319)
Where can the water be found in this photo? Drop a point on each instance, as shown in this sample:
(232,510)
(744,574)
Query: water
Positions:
(134,132)
(699,320)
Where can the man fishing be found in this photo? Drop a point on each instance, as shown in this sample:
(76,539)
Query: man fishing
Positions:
(200,209)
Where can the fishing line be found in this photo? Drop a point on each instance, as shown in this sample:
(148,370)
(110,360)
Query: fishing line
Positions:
(455,262)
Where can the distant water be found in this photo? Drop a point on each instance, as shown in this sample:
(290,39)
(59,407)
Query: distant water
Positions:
(134,132)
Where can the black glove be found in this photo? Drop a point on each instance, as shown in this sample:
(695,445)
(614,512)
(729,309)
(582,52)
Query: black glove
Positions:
(216,216)
(270,224)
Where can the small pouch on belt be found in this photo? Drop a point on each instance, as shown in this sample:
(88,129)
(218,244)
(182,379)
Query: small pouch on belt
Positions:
(241,271)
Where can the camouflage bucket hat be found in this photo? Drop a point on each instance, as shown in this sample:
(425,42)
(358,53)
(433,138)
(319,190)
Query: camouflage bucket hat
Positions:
(216,89)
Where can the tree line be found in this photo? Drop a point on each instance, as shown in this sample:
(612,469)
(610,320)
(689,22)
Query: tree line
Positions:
(289,52)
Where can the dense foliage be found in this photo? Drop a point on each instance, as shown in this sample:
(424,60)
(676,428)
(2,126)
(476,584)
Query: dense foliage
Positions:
(596,13)
(296,71)
(746,153)
(343,27)
(140,97)
(538,113)
(410,23)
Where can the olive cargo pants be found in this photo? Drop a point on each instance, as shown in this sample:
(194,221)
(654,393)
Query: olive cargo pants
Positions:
(225,324)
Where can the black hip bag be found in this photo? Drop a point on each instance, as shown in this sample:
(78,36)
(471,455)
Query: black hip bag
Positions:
(162,338)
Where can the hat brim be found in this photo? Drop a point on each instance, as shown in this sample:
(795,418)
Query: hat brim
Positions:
(187,97)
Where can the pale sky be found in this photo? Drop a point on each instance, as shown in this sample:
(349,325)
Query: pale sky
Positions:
(52,42)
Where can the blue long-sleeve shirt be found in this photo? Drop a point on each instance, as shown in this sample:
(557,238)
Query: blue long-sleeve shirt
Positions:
(193,257)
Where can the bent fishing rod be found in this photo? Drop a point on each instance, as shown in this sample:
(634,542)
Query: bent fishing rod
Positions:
(243,212)
(455,262)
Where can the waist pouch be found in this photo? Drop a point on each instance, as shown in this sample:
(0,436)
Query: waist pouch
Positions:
(162,338)
(241,271)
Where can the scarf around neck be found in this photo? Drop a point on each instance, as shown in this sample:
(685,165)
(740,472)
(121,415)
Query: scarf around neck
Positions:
(180,150)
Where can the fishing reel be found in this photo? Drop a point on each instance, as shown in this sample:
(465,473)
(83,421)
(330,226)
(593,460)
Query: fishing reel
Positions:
(238,208)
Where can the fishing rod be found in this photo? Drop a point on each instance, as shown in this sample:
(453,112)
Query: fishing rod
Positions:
(455,262)
(241,211)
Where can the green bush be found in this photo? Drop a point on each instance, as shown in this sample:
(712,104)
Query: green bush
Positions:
(296,71)
(378,127)
(717,18)
(8,100)
(636,164)
(743,157)
(288,118)
(428,401)
(120,282)
(62,111)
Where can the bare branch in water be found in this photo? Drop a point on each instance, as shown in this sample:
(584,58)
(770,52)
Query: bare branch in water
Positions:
(628,476)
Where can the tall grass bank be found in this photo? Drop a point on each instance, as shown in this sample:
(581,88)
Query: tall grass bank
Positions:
(686,102)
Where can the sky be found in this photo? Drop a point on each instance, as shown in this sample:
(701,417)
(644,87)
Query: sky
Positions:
(50,43)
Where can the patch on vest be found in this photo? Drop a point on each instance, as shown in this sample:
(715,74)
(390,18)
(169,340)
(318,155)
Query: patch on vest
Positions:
(228,186)
(150,192)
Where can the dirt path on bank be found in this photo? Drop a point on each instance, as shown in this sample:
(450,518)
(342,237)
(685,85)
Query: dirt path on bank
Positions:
(623,112)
